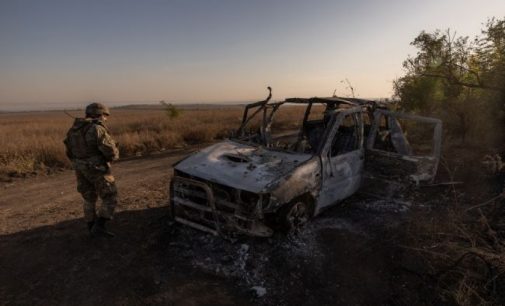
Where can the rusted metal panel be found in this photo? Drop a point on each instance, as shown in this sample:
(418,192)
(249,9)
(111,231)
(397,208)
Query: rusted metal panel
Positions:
(342,177)
(241,166)
(305,179)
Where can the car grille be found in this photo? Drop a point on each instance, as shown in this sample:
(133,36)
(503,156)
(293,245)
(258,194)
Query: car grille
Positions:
(203,206)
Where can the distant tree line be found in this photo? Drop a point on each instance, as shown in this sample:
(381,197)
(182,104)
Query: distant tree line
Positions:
(459,80)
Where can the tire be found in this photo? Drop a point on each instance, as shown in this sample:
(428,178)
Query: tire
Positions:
(295,215)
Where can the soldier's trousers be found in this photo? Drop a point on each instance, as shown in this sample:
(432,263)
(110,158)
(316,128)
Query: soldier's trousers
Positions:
(91,184)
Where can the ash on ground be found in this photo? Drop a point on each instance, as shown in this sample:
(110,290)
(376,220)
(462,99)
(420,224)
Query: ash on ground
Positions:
(276,270)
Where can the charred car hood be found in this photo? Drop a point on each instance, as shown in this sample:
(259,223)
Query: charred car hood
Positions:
(241,166)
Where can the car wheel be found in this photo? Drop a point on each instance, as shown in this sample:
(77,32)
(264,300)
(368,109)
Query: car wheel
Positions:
(296,216)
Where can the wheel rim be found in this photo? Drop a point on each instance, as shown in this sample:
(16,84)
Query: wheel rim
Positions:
(297,216)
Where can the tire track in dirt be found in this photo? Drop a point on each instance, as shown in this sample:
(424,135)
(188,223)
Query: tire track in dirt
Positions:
(46,200)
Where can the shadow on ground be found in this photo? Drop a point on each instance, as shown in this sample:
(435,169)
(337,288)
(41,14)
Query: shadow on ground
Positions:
(61,265)
(341,259)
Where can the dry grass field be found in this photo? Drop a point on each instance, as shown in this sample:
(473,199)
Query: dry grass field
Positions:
(32,142)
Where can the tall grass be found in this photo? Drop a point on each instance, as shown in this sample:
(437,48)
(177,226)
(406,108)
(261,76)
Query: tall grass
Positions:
(33,142)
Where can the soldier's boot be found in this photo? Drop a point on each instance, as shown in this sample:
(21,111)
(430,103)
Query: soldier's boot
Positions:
(90,225)
(99,230)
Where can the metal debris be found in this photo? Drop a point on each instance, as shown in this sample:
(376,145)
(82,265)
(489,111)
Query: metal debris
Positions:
(260,291)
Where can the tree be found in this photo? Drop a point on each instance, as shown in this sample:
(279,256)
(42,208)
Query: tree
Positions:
(171,111)
(460,80)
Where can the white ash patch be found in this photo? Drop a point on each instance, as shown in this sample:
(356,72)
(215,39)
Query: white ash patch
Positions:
(249,261)
(380,205)
(220,257)
(260,291)
(333,223)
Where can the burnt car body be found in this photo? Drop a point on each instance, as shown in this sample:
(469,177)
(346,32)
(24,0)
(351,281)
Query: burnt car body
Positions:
(258,181)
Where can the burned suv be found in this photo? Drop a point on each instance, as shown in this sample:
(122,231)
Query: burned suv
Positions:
(290,160)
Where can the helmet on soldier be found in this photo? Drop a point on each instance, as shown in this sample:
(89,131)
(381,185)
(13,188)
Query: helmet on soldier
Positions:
(97,110)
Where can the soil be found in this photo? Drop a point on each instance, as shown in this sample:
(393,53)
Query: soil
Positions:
(346,256)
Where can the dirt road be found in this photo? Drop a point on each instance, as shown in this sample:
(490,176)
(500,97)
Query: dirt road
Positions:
(47,200)
(344,257)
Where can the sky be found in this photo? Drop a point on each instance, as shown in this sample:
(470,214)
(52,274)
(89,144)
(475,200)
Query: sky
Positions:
(67,53)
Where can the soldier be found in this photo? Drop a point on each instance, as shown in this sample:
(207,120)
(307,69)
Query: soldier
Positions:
(91,150)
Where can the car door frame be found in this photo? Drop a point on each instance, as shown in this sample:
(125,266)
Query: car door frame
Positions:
(388,173)
(341,174)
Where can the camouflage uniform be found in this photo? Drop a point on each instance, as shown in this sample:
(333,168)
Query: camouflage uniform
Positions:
(91,149)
